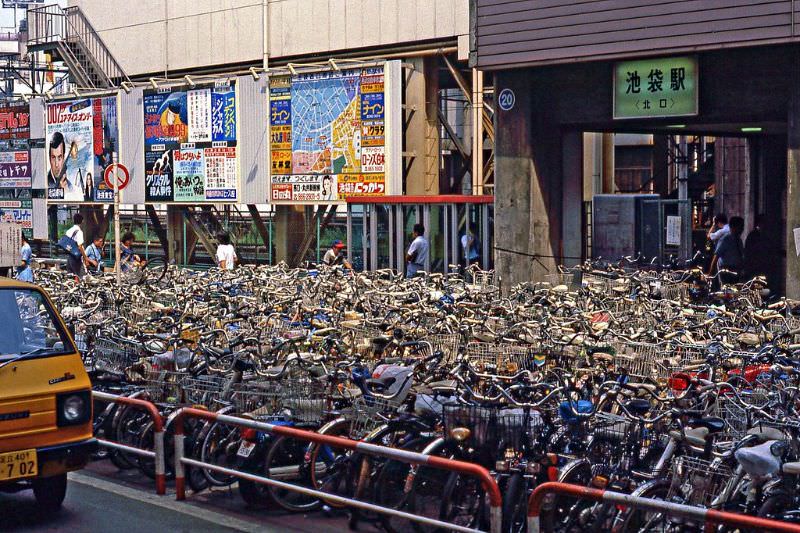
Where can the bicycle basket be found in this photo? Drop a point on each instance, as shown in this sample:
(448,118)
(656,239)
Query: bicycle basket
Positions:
(484,431)
(696,481)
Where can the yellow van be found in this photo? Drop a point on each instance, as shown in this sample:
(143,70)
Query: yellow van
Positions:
(45,397)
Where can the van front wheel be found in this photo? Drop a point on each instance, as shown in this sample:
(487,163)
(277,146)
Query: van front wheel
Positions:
(50,492)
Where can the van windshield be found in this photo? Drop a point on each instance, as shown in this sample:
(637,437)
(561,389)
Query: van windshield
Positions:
(28,326)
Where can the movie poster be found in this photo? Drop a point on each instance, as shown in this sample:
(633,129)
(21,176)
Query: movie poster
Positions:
(190,144)
(82,140)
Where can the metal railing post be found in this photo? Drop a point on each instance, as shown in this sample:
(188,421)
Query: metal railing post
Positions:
(702,515)
(487,481)
(158,452)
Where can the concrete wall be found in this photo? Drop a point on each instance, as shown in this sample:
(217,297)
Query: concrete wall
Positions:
(151,36)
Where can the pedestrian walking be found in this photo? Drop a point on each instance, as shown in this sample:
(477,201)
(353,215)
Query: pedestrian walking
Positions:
(94,255)
(24,270)
(127,257)
(226,254)
(471,246)
(334,256)
(417,254)
(75,260)
(729,253)
(756,250)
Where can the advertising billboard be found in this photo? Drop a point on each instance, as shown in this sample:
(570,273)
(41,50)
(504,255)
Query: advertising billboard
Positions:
(327,133)
(190,137)
(82,139)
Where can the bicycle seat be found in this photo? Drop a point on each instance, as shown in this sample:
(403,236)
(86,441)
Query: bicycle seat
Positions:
(380,343)
(446,385)
(637,406)
(379,385)
(693,436)
(643,386)
(758,460)
(791,468)
(711,423)
(765,433)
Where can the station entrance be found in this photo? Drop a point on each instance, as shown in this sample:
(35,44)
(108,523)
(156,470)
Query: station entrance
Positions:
(568,141)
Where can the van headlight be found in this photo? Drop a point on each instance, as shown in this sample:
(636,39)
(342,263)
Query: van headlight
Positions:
(73,408)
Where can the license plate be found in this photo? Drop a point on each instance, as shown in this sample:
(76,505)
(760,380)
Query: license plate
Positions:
(20,464)
(246,448)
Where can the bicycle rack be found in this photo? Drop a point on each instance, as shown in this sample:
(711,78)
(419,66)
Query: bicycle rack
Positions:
(158,436)
(709,517)
(489,484)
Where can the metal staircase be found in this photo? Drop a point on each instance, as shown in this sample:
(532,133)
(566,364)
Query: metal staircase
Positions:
(68,35)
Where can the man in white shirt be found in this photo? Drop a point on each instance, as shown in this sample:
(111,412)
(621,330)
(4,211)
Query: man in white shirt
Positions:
(226,255)
(719,228)
(417,254)
(75,264)
(334,255)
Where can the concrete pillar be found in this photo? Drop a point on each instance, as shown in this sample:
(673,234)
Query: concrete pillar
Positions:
(175,233)
(608,163)
(289,228)
(793,186)
(572,199)
(422,133)
(660,165)
(528,182)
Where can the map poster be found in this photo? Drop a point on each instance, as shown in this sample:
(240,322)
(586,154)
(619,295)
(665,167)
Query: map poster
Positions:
(331,125)
(280,113)
(189,168)
(190,144)
(15,169)
(361,185)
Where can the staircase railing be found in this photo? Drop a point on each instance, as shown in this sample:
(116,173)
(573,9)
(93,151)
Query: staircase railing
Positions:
(79,28)
(53,24)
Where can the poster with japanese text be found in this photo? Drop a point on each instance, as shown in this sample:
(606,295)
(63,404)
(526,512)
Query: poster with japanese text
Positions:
(82,138)
(15,167)
(190,144)
(327,133)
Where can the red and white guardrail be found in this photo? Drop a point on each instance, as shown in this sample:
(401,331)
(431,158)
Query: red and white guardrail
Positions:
(470,469)
(158,435)
(701,515)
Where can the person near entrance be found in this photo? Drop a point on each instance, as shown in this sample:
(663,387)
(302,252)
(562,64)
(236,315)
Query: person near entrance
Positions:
(471,246)
(719,228)
(75,262)
(127,257)
(94,255)
(226,254)
(417,254)
(335,256)
(24,270)
(729,253)
(756,250)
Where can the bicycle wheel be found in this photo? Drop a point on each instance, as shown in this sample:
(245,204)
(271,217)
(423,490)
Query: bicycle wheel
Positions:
(286,461)
(515,504)
(422,488)
(334,470)
(393,490)
(563,512)
(643,521)
(128,425)
(464,502)
(218,447)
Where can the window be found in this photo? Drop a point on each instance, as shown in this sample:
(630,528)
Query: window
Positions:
(29,325)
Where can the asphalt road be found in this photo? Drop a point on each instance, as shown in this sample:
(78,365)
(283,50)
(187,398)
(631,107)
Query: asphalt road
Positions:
(98,505)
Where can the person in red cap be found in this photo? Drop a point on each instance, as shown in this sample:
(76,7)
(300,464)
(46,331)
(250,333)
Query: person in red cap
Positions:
(334,255)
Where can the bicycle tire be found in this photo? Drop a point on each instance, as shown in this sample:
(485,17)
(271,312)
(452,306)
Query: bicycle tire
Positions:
(515,504)
(286,461)
(211,452)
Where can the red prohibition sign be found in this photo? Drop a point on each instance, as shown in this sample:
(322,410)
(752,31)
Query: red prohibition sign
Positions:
(121,172)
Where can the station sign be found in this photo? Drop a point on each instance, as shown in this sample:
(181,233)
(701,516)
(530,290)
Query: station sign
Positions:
(656,87)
